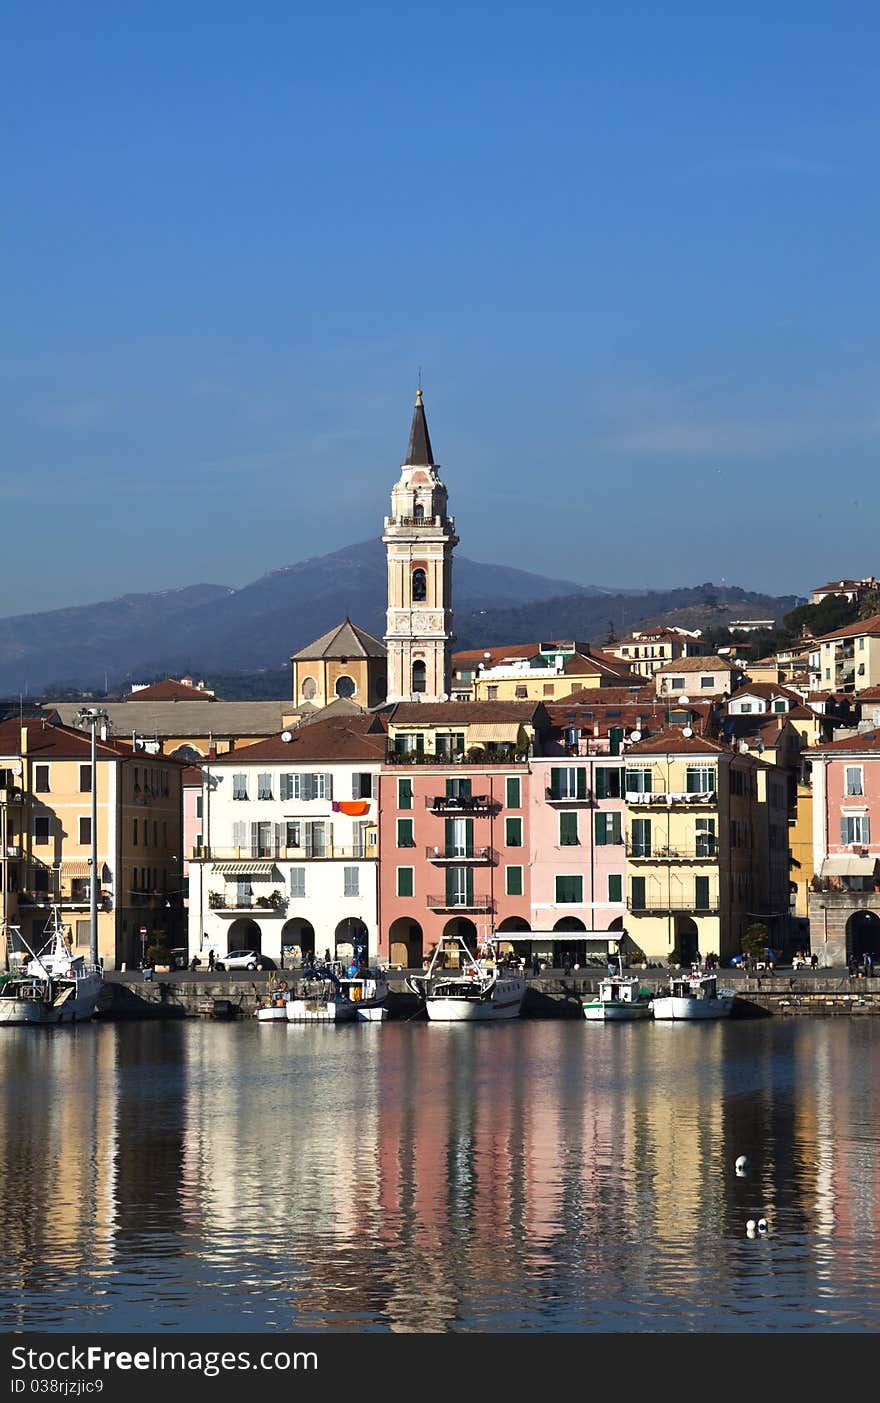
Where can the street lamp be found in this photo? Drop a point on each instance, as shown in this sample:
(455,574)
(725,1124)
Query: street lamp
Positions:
(92,716)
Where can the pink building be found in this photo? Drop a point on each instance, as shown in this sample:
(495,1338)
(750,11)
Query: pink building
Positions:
(844,900)
(192,820)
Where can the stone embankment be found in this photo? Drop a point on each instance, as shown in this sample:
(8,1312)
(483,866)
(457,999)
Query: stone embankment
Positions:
(552,994)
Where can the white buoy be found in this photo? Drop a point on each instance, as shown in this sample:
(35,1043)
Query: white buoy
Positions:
(751,1225)
(742,1165)
(762,1225)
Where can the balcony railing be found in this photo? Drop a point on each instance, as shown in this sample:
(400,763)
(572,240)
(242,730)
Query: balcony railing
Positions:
(654,853)
(492,756)
(673,908)
(307,852)
(434,521)
(460,903)
(13,850)
(219,902)
(460,803)
(452,852)
(670,798)
(557,796)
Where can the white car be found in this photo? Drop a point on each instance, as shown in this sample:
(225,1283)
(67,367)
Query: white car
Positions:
(241,959)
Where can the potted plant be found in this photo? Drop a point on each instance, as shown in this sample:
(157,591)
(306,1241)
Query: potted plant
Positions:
(160,958)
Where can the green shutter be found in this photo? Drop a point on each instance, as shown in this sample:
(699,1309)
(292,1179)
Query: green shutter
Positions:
(702,893)
(469,837)
(615,887)
(555,786)
(448,835)
(638,894)
(513,792)
(469,880)
(514,881)
(404,881)
(601,783)
(600,822)
(513,832)
(568,829)
(404,794)
(451,885)
(580,775)
(615,828)
(615,736)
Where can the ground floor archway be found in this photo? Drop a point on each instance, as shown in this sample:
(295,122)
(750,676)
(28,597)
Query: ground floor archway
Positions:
(351,940)
(244,934)
(406,943)
(298,940)
(687,941)
(569,923)
(863,934)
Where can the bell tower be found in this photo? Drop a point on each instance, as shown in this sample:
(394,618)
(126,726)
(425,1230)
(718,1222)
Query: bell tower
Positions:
(419,539)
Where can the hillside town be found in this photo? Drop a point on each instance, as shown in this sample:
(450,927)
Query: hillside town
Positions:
(658,797)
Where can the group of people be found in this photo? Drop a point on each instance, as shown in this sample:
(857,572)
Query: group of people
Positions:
(863,966)
(195,963)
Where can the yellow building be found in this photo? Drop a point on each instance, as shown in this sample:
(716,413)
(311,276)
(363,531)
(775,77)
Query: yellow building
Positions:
(698,678)
(347,663)
(800,842)
(535,672)
(847,660)
(647,650)
(701,819)
(45,813)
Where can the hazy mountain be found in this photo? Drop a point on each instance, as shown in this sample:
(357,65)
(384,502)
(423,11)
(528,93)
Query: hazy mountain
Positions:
(211,628)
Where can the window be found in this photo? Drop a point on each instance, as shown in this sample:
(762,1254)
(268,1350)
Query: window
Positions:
(700,779)
(239,787)
(521,690)
(855,828)
(350,881)
(701,893)
(637,897)
(297,881)
(41,879)
(363,785)
(780,705)
(513,792)
(706,837)
(492,693)
(854,780)
(513,885)
(41,830)
(317,837)
(459,886)
(638,782)
(607,829)
(745,708)
(264,786)
(404,794)
(568,782)
(85,779)
(607,782)
(345,686)
(676,684)
(134,832)
(459,837)
(419,677)
(292,835)
(458,789)
(285,786)
(549,689)
(309,689)
(240,836)
(615,886)
(419,586)
(199,806)
(85,830)
(569,890)
(640,842)
(405,881)
(568,829)
(405,836)
(707,684)
(41,779)
(513,832)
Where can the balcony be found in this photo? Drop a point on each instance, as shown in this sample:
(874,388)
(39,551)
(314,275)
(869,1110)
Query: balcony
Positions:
(13,850)
(451,852)
(460,903)
(639,852)
(556,796)
(497,755)
(308,852)
(670,798)
(231,904)
(435,522)
(461,803)
(654,908)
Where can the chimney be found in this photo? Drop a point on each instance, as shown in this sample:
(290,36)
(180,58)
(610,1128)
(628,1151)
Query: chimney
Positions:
(212,752)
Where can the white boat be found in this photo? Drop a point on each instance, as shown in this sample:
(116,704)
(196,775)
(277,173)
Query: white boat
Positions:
(272,1007)
(620,999)
(319,998)
(693,996)
(368,989)
(55,985)
(475,991)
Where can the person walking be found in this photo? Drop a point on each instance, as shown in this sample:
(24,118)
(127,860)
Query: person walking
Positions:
(211,958)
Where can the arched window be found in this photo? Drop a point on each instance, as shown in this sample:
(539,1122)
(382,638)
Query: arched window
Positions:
(345,686)
(309,688)
(418,677)
(419,586)
(418,512)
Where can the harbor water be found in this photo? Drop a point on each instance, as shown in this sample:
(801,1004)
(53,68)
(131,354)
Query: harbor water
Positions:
(525,1176)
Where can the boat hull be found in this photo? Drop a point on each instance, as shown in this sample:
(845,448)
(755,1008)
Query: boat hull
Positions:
(276,1014)
(673,1009)
(78,1008)
(610,1012)
(319,1011)
(464,1010)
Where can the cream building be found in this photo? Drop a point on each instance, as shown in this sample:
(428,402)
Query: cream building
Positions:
(419,538)
(346,663)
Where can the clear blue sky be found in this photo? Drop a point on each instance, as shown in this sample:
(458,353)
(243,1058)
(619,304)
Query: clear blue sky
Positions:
(634,248)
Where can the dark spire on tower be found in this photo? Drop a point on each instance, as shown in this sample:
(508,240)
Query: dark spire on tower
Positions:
(419,453)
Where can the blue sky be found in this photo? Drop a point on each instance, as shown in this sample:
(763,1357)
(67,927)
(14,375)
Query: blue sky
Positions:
(632,246)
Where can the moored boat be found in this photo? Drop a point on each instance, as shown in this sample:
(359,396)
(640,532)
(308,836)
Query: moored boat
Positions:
(319,998)
(621,998)
(475,991)
(54,987)
(368,990)
(693,996)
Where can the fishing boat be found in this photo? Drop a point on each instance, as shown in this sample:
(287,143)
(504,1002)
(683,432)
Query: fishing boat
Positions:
(620,998)
(320,998)
(54,986)
(368,990)
(472,990)
(272,1007)
(693,996)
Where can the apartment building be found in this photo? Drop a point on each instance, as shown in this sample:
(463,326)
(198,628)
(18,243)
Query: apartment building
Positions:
(847,660)
(844,895)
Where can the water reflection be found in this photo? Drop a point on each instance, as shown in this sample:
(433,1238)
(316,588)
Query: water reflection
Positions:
(534,1176)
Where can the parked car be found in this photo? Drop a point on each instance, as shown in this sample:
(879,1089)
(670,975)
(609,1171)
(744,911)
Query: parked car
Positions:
(245,959)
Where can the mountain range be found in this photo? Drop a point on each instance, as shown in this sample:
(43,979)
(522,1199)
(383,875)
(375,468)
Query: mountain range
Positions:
(211,630)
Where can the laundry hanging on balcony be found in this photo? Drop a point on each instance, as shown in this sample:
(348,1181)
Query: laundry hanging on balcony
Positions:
(355,808)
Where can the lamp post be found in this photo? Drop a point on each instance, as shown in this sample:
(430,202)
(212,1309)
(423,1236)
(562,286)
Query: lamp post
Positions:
(92,716)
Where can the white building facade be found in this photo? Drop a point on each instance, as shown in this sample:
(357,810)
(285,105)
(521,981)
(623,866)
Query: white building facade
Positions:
(288,861)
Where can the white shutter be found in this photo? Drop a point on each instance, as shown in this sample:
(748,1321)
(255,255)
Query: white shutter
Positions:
(374,786)
(355,786)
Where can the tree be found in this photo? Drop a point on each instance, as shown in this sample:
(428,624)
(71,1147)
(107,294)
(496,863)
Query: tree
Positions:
(754,939)
(611,636)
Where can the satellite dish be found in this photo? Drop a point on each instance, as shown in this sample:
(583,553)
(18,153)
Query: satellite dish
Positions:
(635,735)
(286,735)
(15,767)
(683,699)
(688,731)
(743,747)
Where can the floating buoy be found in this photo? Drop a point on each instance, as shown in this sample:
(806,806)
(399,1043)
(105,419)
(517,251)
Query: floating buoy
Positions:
(751,1225)
(762,1225)
(742,1165)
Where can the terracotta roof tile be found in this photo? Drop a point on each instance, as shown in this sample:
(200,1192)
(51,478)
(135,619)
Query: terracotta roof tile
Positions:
(333,738)
(170,690)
